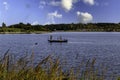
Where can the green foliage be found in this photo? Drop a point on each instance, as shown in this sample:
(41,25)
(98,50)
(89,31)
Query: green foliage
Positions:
(3,25)
(28,28)
(47,69)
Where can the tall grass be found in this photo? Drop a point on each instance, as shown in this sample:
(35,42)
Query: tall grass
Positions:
(47,69)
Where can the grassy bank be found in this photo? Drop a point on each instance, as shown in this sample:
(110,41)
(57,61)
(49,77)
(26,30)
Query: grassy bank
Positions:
(48,68)
(35,32)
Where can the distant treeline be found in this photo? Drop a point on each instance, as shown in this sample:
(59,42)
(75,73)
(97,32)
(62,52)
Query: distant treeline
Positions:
(95,27)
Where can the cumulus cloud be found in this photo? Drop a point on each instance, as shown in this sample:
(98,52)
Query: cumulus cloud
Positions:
(35,23)
(53,15)
(42,4)
(5,5)
(90,2)
(67,4)
(47,23)
(84,17)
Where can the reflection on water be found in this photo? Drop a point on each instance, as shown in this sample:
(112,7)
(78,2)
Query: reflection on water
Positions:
(105,47)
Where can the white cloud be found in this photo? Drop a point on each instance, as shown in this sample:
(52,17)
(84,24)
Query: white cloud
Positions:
(42,4)
(84,17)
(35,23)
(47,23)
(55,3)
(75,1)
(90,2)
(53,15)
(67,4)
(5,5)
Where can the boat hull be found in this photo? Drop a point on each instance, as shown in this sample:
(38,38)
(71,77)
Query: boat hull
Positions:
(60,41)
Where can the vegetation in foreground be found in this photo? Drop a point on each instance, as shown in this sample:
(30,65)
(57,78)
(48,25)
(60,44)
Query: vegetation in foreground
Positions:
(47,69)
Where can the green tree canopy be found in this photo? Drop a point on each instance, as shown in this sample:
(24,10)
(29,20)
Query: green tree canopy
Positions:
(3,25)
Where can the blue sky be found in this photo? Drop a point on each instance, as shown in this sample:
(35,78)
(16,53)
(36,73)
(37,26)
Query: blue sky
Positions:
(59,11)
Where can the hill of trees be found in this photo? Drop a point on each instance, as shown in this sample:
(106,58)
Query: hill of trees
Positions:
(28,28)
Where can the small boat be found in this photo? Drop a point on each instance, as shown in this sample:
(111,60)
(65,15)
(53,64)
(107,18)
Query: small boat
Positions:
(57,40)
(65,40)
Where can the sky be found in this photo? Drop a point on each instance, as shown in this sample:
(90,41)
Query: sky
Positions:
(59,11)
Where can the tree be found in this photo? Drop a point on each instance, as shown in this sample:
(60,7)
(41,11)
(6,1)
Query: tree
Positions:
(28,24)
(3,25)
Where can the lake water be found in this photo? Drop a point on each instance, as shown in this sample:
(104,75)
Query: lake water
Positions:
(104,46)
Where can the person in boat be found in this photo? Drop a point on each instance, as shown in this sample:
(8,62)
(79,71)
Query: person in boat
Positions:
(60,37)
(50,37)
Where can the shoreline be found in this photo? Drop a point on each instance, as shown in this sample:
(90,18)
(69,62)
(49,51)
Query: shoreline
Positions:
(44,32)
(39,32)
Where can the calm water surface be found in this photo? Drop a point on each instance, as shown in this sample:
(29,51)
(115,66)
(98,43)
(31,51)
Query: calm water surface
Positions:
(104,46)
